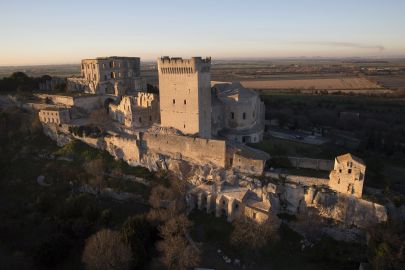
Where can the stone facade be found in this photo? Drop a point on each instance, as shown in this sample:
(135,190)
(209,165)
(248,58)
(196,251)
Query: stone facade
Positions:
(140,110)
(108,75)
(348,175)
(185,94)
(237,113)
(229,201)
(54,115)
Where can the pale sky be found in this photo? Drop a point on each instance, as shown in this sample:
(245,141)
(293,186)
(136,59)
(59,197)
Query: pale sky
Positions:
(62,31)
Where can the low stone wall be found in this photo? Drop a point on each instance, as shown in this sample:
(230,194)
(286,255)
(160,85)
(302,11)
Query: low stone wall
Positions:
(307,181)
(58,99)
(86,102)
(311,163)
(298,179)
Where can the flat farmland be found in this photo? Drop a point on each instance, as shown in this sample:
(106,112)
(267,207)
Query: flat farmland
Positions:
(345,83)
(391,81)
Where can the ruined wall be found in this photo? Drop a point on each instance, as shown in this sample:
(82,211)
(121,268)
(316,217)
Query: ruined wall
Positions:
(256,215)
(124,148)
(248,165)
(349,210)
(136,111)
(58,99)
(296,199)
(311,163)
(89,103)
(199,150)
(86,102)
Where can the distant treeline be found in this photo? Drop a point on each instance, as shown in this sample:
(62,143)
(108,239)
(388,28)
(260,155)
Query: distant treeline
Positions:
(20,82)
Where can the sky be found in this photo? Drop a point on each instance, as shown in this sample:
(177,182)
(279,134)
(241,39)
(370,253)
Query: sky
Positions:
(34,32)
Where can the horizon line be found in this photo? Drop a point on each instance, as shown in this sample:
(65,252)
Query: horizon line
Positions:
(264,58)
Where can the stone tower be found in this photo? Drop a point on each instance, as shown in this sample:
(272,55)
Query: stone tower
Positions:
(185,94)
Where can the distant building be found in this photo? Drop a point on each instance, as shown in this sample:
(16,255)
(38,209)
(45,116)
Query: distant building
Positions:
(185,94)
(54,115)
(348,175)
(136,111)
(108,75)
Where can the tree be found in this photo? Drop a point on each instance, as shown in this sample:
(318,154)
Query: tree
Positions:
(167,202)
(137,231)
(105,250)
(96,168)
(252,235)
(178,252)
(387,246)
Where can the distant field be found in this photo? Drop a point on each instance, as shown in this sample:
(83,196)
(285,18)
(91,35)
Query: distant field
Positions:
(391,81)
(317,84)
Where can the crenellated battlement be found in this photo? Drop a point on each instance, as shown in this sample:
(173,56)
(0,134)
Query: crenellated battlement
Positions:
(178,65)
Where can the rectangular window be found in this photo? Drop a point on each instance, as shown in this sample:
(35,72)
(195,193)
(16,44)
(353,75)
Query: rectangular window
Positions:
(244,116)
(232,115)
(349,171)
(185,102)
(174,101)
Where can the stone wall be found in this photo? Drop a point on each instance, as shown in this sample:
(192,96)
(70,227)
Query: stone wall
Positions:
(58,99)
(248,164)
(199,150)
(311,163)
(86,102)
(124,148)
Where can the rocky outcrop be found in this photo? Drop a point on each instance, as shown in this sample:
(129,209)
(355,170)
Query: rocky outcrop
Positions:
(347,209)
(59,137)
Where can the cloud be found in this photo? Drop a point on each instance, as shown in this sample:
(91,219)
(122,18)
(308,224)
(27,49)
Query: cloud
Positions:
(346,45)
